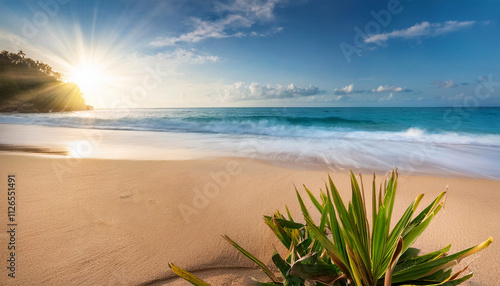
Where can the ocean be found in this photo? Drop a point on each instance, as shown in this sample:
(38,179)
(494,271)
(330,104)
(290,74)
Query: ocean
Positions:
(449,141)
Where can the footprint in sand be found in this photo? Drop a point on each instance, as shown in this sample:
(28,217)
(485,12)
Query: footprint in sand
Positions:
(125,195)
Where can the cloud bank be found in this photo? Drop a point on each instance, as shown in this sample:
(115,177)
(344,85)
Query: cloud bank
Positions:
(390,88)
(349,89)
(240,91)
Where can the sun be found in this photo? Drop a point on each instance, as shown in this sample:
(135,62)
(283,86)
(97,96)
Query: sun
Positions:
(91,79)
(87,78)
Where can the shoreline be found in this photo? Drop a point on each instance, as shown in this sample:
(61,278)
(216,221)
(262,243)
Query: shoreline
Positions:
(60,153)
(105,220)
(77,143)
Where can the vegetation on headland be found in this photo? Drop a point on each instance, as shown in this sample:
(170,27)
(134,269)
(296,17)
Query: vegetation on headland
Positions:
(343,249)
(27,85)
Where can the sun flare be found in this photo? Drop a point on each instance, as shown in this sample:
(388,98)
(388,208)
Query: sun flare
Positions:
(87,78)
(91,79)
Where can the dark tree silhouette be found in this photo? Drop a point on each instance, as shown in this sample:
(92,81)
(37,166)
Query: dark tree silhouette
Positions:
(27,85)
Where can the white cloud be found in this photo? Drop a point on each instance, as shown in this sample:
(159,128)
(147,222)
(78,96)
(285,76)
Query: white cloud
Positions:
(269,33)
(187,56)
(168,62)
(259,9)
(389,97)
(445,84)
(347,90)
(390,88)
(236,15)
(241,91)
(419,30)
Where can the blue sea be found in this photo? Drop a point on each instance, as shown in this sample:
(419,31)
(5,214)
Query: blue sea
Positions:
(454,141)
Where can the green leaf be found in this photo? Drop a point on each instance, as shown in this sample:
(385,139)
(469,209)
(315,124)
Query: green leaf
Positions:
(313,269)
(314,200)
(288,213)
(374,201)
(417,220)
(289,224)
(409,254)
(430,267)
(277,231)
(378,242)
(412,236)
(280,263)
(305,212)
(407,263)
(337,232)
(324,218)
(455,282)
(329,246)
(187,276)
(259,263)
(438,277)
(349,225)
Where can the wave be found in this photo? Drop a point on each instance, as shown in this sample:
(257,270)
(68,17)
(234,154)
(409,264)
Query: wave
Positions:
(320,128)
(291,120)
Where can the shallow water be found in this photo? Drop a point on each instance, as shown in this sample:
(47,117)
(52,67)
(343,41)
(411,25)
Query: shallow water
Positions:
(450,141)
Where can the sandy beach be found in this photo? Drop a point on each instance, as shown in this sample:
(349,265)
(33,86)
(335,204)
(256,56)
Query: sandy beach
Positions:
(120,222)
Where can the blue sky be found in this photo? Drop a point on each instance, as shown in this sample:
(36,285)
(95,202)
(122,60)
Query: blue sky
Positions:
(265,52)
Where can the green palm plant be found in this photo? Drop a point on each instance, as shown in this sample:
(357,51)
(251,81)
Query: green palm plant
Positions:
(381,255)
(344,250)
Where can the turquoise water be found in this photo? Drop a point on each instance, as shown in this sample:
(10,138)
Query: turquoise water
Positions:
(421,140)
(277,121)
